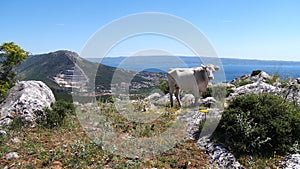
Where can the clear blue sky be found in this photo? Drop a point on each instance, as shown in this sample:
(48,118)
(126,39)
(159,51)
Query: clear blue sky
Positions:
(259,29)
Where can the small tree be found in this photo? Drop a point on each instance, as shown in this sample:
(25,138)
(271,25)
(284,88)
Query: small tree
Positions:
(10,55)
(163,86)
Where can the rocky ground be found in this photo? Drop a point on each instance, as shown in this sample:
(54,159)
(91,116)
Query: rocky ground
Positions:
(219,157)
(255,83)
(26,98)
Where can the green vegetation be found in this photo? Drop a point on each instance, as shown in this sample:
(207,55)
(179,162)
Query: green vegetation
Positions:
(207,92)
(163,86)
(11,55)
(243,83)
(43,68)
(259,125)
(55,116)
(229,90)
(65,144)
(274,79)
(217,92)
(256,72)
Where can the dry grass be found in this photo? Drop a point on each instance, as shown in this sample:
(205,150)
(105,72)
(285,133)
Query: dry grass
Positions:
(68,146)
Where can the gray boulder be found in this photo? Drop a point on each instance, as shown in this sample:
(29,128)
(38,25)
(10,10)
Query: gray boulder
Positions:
(218,156)
(188,99)
(24,100)
(12,155)
(262,76)
(2,133)
(258,87)
(291,161)
(165,98)
(153,97)
(208,101)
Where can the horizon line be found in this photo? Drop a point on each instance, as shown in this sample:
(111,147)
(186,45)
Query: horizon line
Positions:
(191,56)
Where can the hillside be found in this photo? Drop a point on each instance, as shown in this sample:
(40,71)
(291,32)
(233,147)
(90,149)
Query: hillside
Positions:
(59,71)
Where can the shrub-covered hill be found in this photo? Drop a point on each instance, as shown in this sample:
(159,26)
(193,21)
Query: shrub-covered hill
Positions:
(57,69)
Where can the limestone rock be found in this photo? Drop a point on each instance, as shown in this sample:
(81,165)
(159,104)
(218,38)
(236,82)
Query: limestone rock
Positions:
(165,98)
(208,101)
(188,99)
(192,118)
(291,161)
(262,76)
(153,97)
(2,133)
(12,155)
(255,88)
(219,157)
(24,100)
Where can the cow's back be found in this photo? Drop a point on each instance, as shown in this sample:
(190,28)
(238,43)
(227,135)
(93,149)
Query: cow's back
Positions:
(184,78)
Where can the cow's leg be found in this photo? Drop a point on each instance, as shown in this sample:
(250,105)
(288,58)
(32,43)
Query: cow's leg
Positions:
(177,96)
(171,96)
(171,82)
(197,97)
(196,101)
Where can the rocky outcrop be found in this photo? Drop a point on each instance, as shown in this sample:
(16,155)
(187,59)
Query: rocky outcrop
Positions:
(188,99)
(255,88)
(218,156)
(154,96)
(192,119)
(261,76)
(264,83)
(291,161)
(24,100)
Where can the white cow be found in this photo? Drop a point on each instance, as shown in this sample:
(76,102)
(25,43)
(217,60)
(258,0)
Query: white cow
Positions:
(195,79)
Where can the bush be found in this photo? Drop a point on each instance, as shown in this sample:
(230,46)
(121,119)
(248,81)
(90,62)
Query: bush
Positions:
(56,115)
(207,92)
(110,99)
(243,83)
(274,79)
(229,90)
(260,125)
(163,86)
(255,72)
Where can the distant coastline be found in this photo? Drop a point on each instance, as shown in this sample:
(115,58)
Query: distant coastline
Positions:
(233,68)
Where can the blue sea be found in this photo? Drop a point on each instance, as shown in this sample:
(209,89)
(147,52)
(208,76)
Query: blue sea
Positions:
(230,68)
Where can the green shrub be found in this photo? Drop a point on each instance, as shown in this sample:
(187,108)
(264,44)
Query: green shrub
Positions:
(163,86)
(56,115)
(110,99)
(207,92)
(229,90)
(243,83)
(255,72)
(259,124)
(16,124)
(274,79)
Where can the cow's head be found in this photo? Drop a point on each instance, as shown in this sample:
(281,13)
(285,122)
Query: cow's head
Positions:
(210,69)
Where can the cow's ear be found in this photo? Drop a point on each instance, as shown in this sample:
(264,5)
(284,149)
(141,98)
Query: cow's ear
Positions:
(217,68)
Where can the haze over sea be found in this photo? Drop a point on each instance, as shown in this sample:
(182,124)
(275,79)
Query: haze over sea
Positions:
(233,68)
